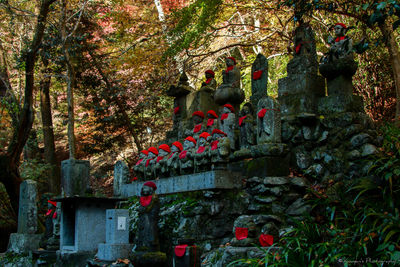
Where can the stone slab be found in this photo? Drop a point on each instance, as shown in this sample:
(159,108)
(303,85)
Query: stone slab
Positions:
(261,167)
(335,103)
(217,179)
(23,243)
(27,213)
(111,252)
(117,226)
(75,177)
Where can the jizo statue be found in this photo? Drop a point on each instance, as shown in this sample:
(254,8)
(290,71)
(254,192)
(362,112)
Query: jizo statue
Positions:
(173,159)
(150,162)
(228,123)
(186,156)
(201,156)
(160,167)
(246,127)
(139,167)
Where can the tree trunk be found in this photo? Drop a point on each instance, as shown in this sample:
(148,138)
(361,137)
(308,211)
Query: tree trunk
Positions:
(394,55)
(9,162)
(70,82)
(48,134)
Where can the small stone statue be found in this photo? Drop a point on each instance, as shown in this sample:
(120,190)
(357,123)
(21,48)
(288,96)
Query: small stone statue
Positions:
(147,231)
(246,127)
(220,148)
(150,162)
(228,123)
(202,157)
(197,118)
(212,122)
(259,79)
(52,223)
(210,84)
(186,156)
(269,121)
(341,45)
(173,159)
(140,165)
(161,168)
(229,91)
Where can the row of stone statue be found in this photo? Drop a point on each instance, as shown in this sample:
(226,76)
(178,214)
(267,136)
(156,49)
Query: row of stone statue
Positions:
(211,142)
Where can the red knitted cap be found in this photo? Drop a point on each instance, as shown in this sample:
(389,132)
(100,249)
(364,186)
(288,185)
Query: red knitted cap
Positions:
(178,145)
(210,72)
(233,59)
(341,24)
(144,152)
(218,131)
(230,107)
(212,113)
(191,139)
(150,184)
(198,113)
(165,147)
(153,150)
(204,135)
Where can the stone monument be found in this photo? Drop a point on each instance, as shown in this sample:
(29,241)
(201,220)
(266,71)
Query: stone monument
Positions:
(228,123)
(75,177)
(212,122)
(147,244)
(52,223)
(202,155)
(150,162)
(259,79)
(121,176)
(220,149)
(160,168)
(210,84)
(26,238)
(198,127)
(268,121)
(186,156)
(246,127)
(173,159)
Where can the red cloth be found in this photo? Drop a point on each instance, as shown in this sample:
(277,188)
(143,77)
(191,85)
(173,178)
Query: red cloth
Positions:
(145,201)
(48,212)
(191,139)
(170,156)
(212,113)
(176,110)
(54,215)
(148,162)
(204,135)
(224,116)
(338,39)
(52,202)
(153,150)
(266,240)
(178,145)
(218,131)
(139,161)
(200,149)
(214,144)
(133,179)
(197,128)
(241,233)
(233,59)
(209,80)
(150,184)
(341,24)
(257,74)
(230,107)
(210,72)
(241,120)
(261,113)
(210,122)
(180,250)
(228,69)
(165,147)
(145,152)
(298,47)
(198,113)
(159,158)
(182,155)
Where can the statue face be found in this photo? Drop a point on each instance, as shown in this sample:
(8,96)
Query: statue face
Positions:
(162,153)
(187,144)
(217,136)
(202,141)
(339,30)
(226,110)
(197,119)
(142,155)
(246,110)
(229,62)
(174,149)
(208,75)
(146,191)
(151,155)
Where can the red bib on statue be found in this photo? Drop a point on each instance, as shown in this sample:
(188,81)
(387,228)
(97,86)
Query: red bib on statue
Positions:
(180,250)
(241,233)
(200,149)
(214,144)
(266,240)
(197,128)
(210,122)
(241,120)
(145,201)
(257,74)
(182,155)
(140,161)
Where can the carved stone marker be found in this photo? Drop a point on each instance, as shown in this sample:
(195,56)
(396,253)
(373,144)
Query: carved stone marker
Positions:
(259,79)
(26,238)
(121,176)
(117,236)
(246,127)
(268,121)
(75,177)
(228,124)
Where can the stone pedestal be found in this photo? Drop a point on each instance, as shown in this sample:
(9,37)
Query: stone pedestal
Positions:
(190,258)
(75,177)
(23,243)
(201,100)
(121,176)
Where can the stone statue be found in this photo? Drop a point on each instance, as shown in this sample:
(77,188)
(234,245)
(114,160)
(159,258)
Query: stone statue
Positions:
(173,159)
(147,231)
(140,165)
(259,79)
(160,167)
(212,122)
(197,118)
(268,121)
(229,91)
(341,45)
(186,156)
(202,155)
(52,223)
(228,123)
(246,127)
(150,162)
(210,84)
(220,149)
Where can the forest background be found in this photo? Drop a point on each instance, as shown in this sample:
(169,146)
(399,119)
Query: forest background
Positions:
(87,79)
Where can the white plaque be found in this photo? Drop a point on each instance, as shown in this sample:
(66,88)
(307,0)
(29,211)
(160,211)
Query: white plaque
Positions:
(121,223)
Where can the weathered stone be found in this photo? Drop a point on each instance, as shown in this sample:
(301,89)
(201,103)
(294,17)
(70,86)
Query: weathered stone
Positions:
(315,170)
(112,252)
(75,177)
(360,139)
(259,79)
(276,208)
(264,166)
(307,133)
(269,149)
(298,137)
(324,137)
(299,181)
(246,127)
(354,154)
(260,189)
(265,200)
(298,207)
(268,121)
(290,197)
(262,219)
(23,243)
(334,104)
(255,180)
(200,100)
(303,160)
(255,207)
(271,229)
(229,126)
(121,176)
(368,149)
(275,180)
(277,191)
(287,131)
(27,213)
(117,226)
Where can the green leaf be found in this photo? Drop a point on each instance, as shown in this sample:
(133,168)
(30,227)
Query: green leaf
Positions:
(391,247)
(381,5)
(396,256)
(365,6)
(390,234)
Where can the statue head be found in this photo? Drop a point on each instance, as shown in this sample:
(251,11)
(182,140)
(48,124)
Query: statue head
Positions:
(247,109)
(153,152)
(51,204)
(218,134)
(209,74)
(164,150)
(143,154)
(228,108)
(176,147)
(148,189)
(340,29)
(211,114)
(230,61)
(203,138)
(189,143)
(197,117)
